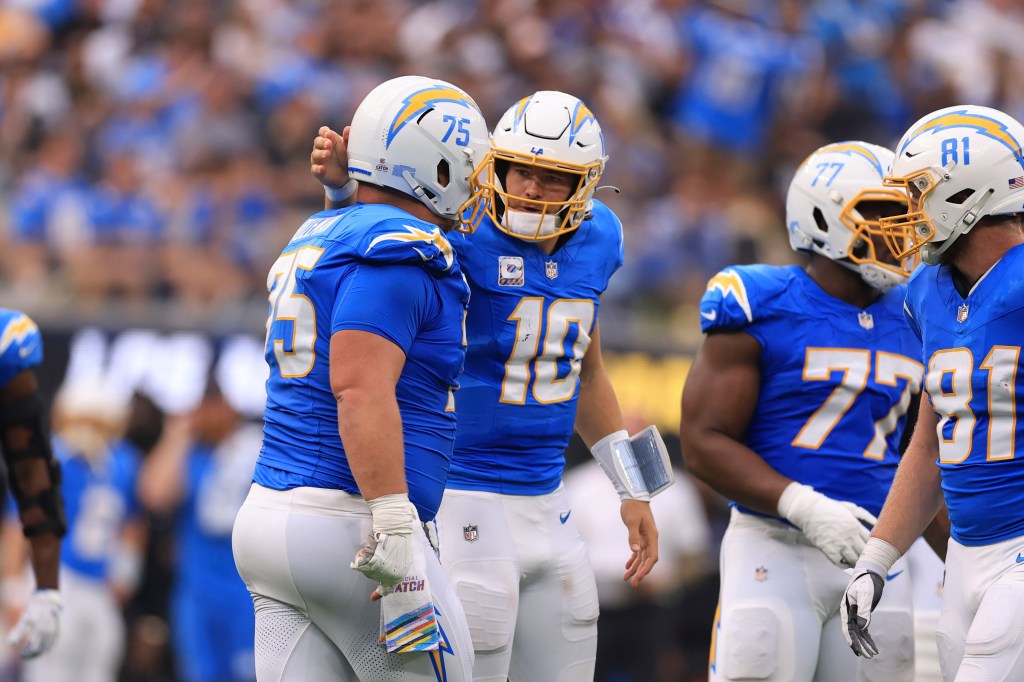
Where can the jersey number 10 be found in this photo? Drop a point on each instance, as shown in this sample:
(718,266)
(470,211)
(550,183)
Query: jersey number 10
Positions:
(548,387)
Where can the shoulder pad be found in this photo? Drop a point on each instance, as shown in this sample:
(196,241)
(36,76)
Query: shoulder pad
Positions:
(21,345)
(606,229)
(412,242)
(731,298)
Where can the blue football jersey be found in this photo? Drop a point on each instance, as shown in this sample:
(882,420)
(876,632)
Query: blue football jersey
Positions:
(972,351)
(21,346)
(528,329)
(379,269)
(836,380)
(98,500)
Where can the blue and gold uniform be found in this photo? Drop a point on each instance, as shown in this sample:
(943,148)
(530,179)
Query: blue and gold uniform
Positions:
(528,329)
(827,370)
(836,381)
(350,269)
(507,541)
(972,351)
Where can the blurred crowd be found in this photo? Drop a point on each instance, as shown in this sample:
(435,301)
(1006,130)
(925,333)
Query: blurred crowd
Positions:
(154,158)
(156,151)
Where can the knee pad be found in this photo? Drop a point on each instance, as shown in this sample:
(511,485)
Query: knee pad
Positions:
(997,626)
(579,597)
(949,639)
(489,592)
(893,632)
(751,643)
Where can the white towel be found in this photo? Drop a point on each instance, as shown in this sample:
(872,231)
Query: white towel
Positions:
(408,619)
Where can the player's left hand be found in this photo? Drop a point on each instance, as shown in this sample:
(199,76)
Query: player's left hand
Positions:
(39,625)
(643,539)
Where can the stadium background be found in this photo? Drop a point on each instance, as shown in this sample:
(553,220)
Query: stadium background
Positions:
(154,158)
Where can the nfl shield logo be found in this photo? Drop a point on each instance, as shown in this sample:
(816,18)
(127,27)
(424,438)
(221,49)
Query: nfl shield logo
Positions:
(760,574)
(866,320)
(469,533)
(961,313)
(551,269)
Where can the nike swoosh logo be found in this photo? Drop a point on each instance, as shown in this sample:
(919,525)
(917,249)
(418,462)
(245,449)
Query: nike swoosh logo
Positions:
(564,517)
(892,576)
(1020,559)
(710,317)
(910,156)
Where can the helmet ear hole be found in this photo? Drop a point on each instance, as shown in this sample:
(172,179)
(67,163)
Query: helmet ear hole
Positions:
(960,197)
(819,219)
(443,173)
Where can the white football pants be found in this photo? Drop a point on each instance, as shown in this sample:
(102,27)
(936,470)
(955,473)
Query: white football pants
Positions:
(314,618)
(981,629)
(524,578)
(778,612)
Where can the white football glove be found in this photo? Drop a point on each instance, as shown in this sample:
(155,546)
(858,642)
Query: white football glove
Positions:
(39,625)
(833,527)
(862,595)
(387,554)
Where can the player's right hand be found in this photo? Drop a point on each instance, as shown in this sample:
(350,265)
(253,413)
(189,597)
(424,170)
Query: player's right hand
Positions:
(37,629)
(387,554)
(836,528)
(328,162)
(859,600)
(386,559)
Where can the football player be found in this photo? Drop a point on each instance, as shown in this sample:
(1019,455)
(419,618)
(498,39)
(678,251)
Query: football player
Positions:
(793,410)
(101,556)
(365,346)
(961,170)
(537,264)
(34,476)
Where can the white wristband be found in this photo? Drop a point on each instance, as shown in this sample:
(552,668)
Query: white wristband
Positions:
(788,496)
(344,193)
(393,514)
(878,556)
(604,452)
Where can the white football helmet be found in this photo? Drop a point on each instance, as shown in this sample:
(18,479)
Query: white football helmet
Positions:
(409,128)
(548,130)
(822,210)
(955,166)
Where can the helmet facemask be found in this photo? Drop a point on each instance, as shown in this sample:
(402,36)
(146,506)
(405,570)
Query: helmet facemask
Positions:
(877,270)
(552,218)
(906,233)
